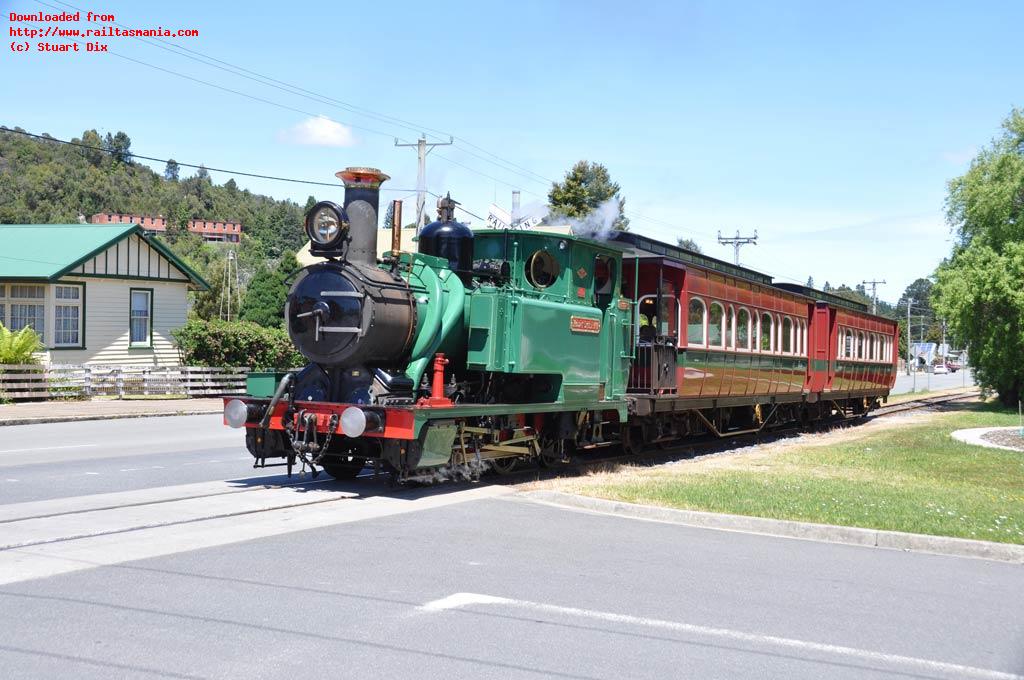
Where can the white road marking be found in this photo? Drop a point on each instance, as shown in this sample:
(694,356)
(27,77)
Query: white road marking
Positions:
(51,448)
(11,480)
(459,600)
(92,473)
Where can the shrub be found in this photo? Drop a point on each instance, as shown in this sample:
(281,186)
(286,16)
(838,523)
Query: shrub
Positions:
(235,343)
(19,347)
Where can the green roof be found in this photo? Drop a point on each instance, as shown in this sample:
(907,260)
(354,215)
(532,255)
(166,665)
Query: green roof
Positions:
(49,251)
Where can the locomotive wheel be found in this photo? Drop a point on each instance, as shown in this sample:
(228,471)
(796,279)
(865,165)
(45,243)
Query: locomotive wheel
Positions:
(344,468)
(504,466)
(553,454)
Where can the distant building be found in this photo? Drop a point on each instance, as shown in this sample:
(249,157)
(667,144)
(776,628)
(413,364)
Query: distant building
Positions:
(210,230)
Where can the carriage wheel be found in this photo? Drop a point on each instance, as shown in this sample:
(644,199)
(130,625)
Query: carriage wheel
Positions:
(632,439)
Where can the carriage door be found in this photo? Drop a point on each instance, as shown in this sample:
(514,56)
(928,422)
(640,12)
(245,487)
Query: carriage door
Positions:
(822,345)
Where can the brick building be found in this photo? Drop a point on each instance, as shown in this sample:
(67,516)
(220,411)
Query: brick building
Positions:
(210,230)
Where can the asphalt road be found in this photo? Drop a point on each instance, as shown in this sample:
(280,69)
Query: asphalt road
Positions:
(100,456)
(456,581)
(921,382)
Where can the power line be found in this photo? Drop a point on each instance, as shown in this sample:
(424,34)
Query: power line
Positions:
(502,163)
(234,69)
(183,164)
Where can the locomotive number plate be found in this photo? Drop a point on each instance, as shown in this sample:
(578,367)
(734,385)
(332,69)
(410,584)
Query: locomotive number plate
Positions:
(582,324)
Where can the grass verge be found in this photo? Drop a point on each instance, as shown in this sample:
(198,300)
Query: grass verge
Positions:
(912,478)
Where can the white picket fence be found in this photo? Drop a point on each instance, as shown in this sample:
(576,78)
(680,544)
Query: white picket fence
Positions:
(19,382)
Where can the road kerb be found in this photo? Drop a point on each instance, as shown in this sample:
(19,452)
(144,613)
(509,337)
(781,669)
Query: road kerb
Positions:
(105,416)
(877,538)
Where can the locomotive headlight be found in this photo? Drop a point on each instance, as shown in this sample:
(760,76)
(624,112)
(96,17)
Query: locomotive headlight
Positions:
(325,223)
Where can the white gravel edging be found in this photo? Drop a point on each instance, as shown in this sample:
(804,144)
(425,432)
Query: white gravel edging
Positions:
(877,538)
(974,436)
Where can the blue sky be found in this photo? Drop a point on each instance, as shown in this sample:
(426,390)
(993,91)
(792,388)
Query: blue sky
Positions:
(830,128)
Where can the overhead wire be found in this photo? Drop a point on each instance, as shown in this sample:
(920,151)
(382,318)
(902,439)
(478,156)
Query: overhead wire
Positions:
(240,173)
(234,69)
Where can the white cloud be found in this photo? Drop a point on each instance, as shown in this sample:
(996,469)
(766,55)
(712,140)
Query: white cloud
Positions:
(318,131)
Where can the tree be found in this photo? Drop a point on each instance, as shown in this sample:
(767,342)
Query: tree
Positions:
(979,293)
(827,287)
(589,192)
(118,146)
(171,171)
(978,290)
(689,244)
(267,292)
(987,202)
(810,282)
(94,152)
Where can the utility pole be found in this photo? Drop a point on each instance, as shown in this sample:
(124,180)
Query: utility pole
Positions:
(422,149)
(737,241)
(910,352)
(874,293)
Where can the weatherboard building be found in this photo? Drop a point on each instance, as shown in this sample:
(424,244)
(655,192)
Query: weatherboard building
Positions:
(97,294)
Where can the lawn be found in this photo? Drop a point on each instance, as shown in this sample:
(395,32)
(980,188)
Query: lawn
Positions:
(905,477)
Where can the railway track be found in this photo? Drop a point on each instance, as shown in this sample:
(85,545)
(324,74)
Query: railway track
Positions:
(708,446)
(923,403)
(25,525)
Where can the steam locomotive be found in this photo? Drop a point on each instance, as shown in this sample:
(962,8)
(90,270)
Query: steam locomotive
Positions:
(489,348)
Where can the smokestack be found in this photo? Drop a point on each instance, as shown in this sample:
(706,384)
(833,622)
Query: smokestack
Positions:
(362,201)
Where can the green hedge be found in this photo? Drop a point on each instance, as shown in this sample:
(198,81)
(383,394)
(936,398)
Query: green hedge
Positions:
(236,343)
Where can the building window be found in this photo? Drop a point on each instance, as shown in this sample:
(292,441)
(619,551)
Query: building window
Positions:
(28,307)
(67,316)
(716,319)
(141,318)
(695,322)
(743,329)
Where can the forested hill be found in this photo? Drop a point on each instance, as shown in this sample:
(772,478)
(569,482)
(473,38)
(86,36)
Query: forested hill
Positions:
(43,181)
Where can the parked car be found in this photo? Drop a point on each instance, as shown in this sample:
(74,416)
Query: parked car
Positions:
(940,368)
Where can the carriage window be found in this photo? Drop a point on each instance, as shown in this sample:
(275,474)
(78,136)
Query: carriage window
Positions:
(848,345)
(766,332)
(730,328)
(787,335)
(743,329)
(647,318)
(715,322)
(542,269)
(695,322)
(860,345)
